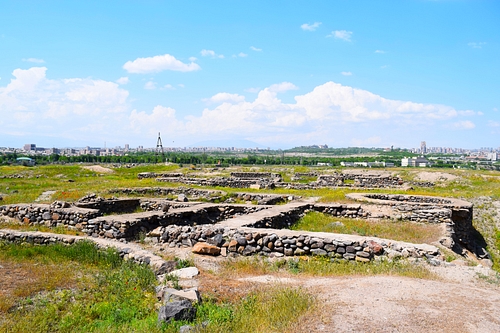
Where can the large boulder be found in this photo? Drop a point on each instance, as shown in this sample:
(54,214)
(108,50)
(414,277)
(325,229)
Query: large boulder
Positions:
(178,310)
(205,248)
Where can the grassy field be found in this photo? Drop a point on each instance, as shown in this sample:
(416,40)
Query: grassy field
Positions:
(397,230)
(79,288)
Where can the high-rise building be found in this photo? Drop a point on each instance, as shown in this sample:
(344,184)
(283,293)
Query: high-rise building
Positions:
(423,147)
(29,147)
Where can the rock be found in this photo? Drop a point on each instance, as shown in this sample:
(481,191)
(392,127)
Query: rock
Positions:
(205,248)
(217,240)
(185,273)
(434,262)
(361,259)
(319,252)
(166,267)
(186,329)
(166,294)
(179,310)
(46,216)
(447,242)
(232,245)
(182,198)
(375,247)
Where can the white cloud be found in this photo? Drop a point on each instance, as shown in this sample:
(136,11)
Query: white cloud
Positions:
(159,63)
(168,87)
(282,87)
(475,45)
(346,73)
(379,51)
(253,48)
(242,55)
(341,34)
(252,90)
(92,111)
(123,80)
(150,85)
(211,53)
(225,97)
(34,60)
(495,109)
(464,124)
(193,59)
(492,123)
(384,66)
(310,27)
(181,85)
(76,108)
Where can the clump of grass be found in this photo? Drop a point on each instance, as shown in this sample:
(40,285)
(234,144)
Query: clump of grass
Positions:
(269,310)
(324,266)
(183,263)
(398,230)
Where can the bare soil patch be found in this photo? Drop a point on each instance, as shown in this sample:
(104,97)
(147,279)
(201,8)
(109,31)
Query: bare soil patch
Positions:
(98,168)
(427,176)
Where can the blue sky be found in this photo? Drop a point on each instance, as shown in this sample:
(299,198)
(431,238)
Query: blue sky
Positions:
(277,73)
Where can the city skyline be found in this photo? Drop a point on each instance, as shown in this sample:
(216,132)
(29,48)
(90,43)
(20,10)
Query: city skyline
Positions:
(367,74)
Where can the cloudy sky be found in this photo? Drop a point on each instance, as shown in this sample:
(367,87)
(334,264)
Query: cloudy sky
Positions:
(277,73)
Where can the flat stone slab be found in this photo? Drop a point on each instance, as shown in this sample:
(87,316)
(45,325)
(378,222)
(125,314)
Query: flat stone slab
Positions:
(185,273)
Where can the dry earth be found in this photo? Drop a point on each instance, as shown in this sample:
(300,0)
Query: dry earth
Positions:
(434,176)
(98,168)
(460,299)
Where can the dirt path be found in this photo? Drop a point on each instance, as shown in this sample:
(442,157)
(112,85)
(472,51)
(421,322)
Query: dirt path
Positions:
(458,303)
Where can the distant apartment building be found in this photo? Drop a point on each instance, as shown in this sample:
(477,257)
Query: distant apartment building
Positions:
(492,156)
(423,147)
(415,162)
(375,164)
(29,147)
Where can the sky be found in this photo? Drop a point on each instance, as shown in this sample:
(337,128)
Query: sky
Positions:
(276,74)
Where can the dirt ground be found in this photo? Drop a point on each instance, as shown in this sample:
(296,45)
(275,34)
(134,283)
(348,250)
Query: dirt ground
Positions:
(426,176)
(460,300)
(98,168)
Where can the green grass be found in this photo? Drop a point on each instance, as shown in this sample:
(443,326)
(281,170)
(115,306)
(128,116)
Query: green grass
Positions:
(271,310)
(397,230)
(104,291)
(324,266)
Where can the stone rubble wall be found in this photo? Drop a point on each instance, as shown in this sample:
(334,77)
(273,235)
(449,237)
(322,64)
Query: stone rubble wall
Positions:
(191,192)
(129,226)
(126,251)
(454,213)
(111,206)
(359,181)
(243,242)
(257,175)
(40,214)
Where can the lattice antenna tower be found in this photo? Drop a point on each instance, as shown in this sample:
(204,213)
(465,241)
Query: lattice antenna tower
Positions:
(159,146)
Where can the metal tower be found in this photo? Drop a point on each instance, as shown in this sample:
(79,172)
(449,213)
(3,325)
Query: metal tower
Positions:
(159,146)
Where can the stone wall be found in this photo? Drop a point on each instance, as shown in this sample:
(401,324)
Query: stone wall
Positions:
(245,242)
(272,180)
(456,214)
(47,215)
(126,251)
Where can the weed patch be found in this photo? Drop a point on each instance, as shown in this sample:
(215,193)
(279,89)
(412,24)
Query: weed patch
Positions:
(397,230)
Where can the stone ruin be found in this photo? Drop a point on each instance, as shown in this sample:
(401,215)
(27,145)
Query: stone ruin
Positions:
(230,229)
(267,180)
(248,228)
